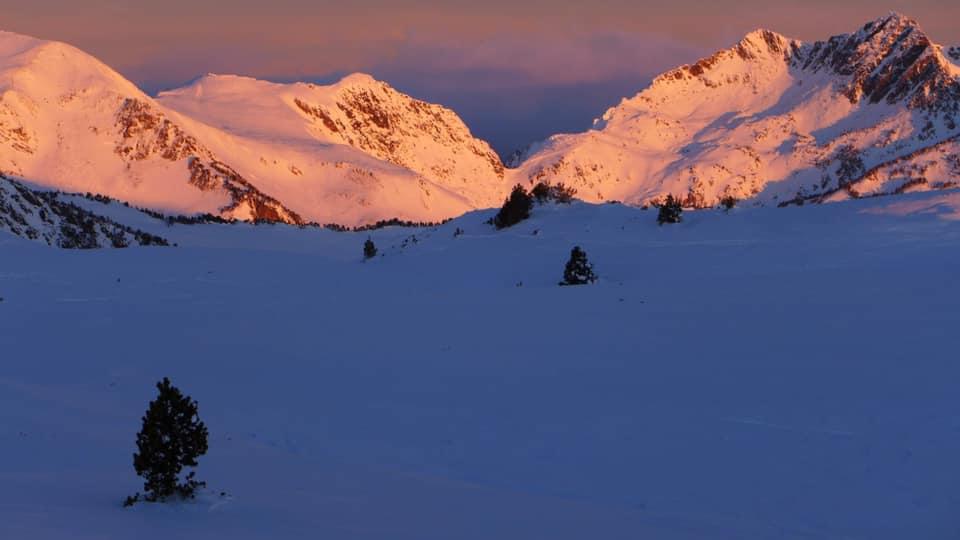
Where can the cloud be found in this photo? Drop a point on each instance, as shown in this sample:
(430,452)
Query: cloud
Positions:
(560,59)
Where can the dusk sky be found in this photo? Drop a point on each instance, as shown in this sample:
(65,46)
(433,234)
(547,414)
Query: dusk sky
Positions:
(516,70)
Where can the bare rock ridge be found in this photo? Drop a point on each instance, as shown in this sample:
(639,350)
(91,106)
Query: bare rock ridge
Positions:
(890,59)
(379,120)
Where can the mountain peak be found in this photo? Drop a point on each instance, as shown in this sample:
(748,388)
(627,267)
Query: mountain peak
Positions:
(762,41)
(889,59)
(215,84)
(31,51)
(12,44)
(874,111)
(890,29)
(357,79)
(893,20)
(759,46)
(224,77)
(52,68)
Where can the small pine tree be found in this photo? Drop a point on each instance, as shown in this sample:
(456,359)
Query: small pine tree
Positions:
(578,271)
(670,211)
(172,437)
(369,249)
(728,202)
(545,192)
(515,209)
(541,192)
(563,194)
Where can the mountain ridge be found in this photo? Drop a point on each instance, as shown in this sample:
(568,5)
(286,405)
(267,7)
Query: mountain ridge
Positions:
(68,121)
(772,119)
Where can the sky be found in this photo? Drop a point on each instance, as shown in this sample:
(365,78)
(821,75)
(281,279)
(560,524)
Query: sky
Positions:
(515,70)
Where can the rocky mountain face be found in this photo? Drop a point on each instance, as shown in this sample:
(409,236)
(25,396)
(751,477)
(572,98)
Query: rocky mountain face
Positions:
(42,216)
(351,153)
(426,138)
(144,133)
(777,121)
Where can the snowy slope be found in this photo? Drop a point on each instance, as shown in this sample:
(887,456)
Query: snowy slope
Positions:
(42,216)
(759,374)
(359,112)
(69,122)
(871,112)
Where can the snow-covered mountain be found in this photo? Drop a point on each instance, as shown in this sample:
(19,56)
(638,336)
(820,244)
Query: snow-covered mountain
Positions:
(871,112)
(771,119)
(351,153)
(359,112)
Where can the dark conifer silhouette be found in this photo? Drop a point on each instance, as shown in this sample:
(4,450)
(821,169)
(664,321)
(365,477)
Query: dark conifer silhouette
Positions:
(172,437)
(578,271)
(515,209)
(728,202)
(670,211)
(369,249)
(545,192)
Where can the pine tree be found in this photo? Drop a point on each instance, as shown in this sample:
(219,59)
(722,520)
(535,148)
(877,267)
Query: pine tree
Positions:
(545,192)
(541,192)
(728,202)
(172,437)
(578,271)
(670,211)
(515,209)
(369,249)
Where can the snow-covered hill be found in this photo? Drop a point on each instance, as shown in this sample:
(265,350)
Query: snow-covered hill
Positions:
(44,217)
(871,112)
(352,153)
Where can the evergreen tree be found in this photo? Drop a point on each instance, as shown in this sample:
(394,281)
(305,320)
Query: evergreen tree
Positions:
(172,437)
(545,192)
(728,202)
(670,211)
(515,209)
(579,271)
(562,194)
(369,249)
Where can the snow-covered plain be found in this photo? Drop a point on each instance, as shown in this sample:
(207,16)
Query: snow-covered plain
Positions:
(763,373)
